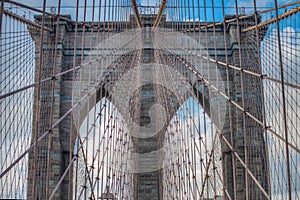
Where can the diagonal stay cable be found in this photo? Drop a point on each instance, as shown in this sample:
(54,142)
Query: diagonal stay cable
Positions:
(136,13)
(54,77)
(238,106)
(228,144)
(46,133)
(160,12)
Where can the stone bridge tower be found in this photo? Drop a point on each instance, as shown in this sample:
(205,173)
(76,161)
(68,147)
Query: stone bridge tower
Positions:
(149,185)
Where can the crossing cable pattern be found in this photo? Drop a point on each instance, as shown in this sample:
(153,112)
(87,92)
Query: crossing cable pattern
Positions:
(15,127)
(67,132)
(249,67)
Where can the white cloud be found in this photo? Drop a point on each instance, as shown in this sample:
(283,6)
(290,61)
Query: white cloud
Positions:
(290,49)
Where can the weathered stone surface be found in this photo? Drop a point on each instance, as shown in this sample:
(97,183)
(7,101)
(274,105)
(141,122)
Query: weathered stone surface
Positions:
(148,185)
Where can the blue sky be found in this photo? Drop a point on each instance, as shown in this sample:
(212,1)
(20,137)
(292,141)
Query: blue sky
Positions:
(203,9)
(188,15)
(69,7)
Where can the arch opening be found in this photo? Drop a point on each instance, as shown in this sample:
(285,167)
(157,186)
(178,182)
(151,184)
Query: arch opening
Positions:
(103,155)
(193,150)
